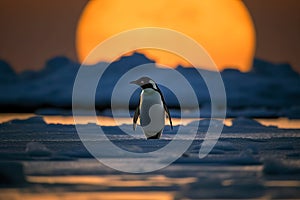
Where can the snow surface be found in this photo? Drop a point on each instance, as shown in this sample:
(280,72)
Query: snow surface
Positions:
(268,90)
(249,161)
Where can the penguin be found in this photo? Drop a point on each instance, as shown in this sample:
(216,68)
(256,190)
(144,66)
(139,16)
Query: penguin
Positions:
(152,109)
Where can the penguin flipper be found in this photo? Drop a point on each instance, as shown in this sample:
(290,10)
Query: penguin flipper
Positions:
(135,117)
(168,114)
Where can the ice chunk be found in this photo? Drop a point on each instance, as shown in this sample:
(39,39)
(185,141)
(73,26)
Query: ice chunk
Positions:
(37,149)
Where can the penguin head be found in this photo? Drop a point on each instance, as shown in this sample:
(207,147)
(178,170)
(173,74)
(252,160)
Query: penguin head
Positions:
(145,82)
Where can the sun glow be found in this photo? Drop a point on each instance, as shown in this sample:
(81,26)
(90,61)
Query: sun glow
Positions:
(223,27)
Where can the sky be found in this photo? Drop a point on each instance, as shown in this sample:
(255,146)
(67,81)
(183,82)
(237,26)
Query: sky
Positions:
(34,31)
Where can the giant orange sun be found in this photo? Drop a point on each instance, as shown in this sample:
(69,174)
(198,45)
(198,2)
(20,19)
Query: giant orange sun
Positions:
(223,27)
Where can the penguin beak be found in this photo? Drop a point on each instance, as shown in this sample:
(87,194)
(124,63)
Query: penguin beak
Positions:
(133,82)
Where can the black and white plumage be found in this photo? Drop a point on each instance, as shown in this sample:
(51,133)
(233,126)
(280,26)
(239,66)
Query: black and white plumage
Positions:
(152,109)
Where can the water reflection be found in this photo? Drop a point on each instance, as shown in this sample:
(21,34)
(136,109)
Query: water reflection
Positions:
(114,180)
(63,195)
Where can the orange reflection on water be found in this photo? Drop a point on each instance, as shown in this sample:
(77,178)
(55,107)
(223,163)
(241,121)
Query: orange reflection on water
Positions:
(105,182)
(113,180)
(59,195)
(282,183)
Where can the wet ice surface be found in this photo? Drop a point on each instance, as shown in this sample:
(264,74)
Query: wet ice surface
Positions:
(249,161)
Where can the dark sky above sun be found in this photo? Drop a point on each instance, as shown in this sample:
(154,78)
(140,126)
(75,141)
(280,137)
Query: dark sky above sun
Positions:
(34,31)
